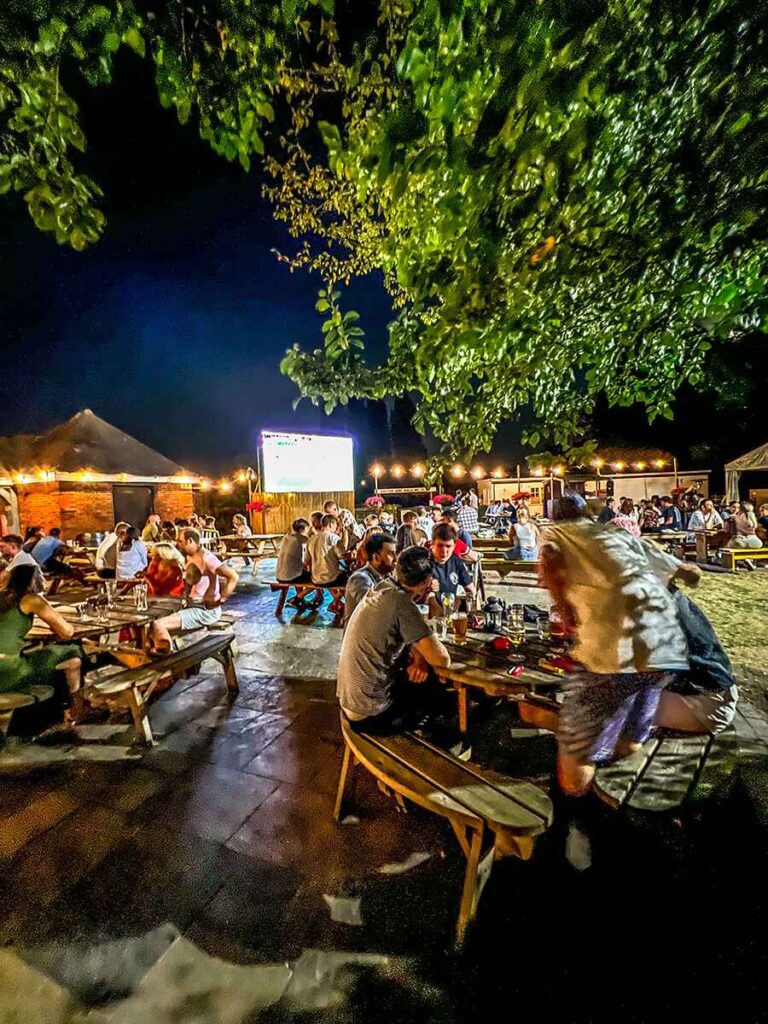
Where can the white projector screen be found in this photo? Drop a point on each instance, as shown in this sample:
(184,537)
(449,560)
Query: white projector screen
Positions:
(306,462)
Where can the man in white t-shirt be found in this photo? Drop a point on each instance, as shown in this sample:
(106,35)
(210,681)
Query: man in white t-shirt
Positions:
(612,590)
(326,551)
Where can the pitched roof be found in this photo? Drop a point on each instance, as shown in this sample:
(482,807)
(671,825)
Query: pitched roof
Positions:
(756,459)
(84,442)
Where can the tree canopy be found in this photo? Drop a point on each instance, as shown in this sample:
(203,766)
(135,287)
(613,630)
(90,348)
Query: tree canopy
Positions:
(215,59)
(565,199)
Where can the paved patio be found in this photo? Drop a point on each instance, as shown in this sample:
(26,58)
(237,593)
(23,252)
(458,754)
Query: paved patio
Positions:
(189,886)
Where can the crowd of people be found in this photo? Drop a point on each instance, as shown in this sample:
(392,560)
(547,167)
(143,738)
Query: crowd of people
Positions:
(172,558)
(645,655)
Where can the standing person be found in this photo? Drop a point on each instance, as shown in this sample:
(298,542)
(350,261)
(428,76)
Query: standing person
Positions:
(151,531)
(330,508)
(671,519)
(448,570)
(762,517)
(380,552)
(49,553)
(18,608)
(524,535)
(611,589)
(387,647)
(467,516)
(132,557)
(326,551)
(292,557)
(215,584)
(11,549)
(474,501)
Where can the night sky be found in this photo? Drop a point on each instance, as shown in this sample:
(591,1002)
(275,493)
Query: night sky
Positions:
(173,326)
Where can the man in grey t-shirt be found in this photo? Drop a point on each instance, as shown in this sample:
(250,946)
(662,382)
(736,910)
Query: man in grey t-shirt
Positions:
(385,624)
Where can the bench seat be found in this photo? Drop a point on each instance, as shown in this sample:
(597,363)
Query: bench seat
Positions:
(12,700)
(491,814)
(730,557)
(678,771)
(131,688)
(303,590)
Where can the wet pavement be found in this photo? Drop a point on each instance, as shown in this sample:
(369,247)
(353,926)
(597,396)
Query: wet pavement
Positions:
(191,885)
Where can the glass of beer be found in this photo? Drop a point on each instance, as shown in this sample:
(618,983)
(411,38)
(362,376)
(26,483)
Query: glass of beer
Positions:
(460,622)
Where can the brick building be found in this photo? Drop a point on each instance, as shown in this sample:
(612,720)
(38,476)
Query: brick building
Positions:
(84,475)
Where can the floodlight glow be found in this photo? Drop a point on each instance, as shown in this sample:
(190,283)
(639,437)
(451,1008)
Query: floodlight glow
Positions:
(308,463)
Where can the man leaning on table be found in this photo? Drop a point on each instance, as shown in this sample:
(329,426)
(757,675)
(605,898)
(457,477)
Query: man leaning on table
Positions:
(388,646)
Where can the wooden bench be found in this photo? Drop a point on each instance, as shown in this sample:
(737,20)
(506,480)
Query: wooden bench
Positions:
(730,557)
(131,688)
(303,590)
(12,700)
(679,771)
(491,814)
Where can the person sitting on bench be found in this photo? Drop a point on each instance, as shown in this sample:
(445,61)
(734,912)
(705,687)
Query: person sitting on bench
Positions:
(388,646)
(207,590)
(326,550)
(292,556)
(380,552)
(49,553)
(18,607)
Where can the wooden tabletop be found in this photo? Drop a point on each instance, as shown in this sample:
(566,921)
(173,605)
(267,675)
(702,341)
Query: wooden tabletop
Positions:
(123,613)
(476,664)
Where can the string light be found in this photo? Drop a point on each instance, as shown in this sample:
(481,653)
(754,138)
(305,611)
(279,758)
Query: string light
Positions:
(225,486)
(477,472)
(597,463)
(618,466)
(558,470)
(86,476)
(640,465)
(538,471)
(205,485)
(397,471)
(242,478)
(377,469)
(660,463)
(417,471)
(498,473)
(457,470)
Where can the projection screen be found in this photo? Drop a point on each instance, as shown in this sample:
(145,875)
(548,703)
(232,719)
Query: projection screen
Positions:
(306,462)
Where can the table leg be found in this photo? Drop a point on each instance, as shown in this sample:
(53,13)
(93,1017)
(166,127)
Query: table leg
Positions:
(463,699)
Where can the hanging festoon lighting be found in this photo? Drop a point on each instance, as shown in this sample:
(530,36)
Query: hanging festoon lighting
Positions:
(417,470)
(498,473)
(477,472)
(457,471)
(397,471)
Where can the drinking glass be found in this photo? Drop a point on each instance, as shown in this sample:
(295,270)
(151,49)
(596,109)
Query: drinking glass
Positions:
(460,622)
(109,587)
(543,627)
(141,597)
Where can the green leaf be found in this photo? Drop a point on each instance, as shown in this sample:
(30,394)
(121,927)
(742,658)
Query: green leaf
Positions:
(112,42)
(133,38)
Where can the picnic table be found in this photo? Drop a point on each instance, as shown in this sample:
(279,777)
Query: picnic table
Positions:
(477,666)
(123,613)
(254,545)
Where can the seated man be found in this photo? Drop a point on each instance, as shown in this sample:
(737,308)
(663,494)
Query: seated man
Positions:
(463,546)
(292,557)
(448,570)
(387,628)
(670,515)
(207,592)
(326,551)
(380,552)
(49,553)
(11,549)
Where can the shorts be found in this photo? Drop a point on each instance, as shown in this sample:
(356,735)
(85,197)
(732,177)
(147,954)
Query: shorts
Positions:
(708,712)
(598,711)
(305,577)
(193,618)
(55,567)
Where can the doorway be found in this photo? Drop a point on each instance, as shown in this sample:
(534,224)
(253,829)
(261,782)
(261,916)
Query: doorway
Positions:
(133,504)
